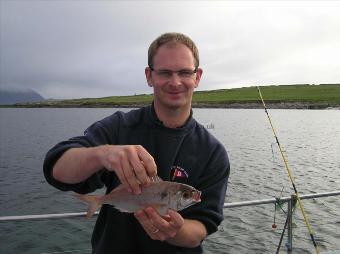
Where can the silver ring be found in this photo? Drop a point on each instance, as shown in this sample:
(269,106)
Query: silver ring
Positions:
(155,231)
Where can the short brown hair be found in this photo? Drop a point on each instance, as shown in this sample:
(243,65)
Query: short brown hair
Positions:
(172,37)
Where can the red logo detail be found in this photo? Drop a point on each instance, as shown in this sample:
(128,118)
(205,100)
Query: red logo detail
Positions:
(179,173)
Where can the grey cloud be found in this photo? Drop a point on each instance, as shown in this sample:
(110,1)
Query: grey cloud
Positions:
(66,49)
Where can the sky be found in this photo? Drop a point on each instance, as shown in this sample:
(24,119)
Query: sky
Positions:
(77,49)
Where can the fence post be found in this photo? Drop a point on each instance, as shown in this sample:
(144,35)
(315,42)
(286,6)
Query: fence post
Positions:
(291,205)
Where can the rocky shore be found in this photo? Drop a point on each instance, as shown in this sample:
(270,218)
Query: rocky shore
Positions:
(280,105)
(238,105)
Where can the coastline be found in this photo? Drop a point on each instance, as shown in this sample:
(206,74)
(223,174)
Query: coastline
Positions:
(323,96)
(271,105)
(233,105)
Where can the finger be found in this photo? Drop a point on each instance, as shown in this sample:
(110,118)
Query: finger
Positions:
(116,166)
(143,219)
(148,226)
(154,216)
(119,172)
(130,175)
(166,217)
(159,235)
(176,220)
(148,161)
(138,167)
(164,226)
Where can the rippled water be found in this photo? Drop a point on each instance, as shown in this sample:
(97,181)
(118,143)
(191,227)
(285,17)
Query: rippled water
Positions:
(310,138)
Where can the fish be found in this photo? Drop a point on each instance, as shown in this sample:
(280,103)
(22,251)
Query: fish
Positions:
(161,195)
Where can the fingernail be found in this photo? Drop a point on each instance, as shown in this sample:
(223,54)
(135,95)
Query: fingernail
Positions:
(150,210)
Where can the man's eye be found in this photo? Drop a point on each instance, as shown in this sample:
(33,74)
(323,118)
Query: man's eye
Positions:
(165,73)
(185,73)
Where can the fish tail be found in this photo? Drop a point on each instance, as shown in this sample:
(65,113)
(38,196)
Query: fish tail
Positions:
(93,201)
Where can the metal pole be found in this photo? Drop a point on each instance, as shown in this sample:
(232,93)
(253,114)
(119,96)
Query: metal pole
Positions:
(289,244)
(274,200)
(226,205)
(44,216)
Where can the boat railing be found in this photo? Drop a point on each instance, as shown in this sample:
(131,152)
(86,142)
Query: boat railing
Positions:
(291,200)
(291,205)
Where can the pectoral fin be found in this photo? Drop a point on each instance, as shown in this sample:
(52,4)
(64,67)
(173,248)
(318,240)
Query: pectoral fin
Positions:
(160,208)
(93,201)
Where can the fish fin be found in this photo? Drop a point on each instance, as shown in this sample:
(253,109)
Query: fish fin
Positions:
(118,190)
(160,208)
(156,179)
(93,201)
(121,189)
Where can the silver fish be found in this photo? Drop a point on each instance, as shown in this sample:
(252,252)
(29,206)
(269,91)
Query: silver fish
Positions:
(161,195)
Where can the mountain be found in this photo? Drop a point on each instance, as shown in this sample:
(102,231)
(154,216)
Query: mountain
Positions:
(8,96)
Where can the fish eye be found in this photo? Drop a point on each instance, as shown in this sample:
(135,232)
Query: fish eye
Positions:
(186,194)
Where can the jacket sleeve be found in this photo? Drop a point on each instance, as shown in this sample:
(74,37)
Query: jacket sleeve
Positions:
(100,133)
(213,185)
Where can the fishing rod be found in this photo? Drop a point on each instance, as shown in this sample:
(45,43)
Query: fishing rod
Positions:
(309,227)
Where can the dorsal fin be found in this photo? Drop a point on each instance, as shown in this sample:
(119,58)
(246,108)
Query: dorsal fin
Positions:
(156,179)
(121,189)
(118,190)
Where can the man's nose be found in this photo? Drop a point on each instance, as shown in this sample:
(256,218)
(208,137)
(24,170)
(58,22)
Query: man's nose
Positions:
(175,79)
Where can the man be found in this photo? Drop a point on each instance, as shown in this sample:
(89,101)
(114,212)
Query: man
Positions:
(129,148)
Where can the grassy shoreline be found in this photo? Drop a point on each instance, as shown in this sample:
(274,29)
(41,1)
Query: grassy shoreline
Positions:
(285,96)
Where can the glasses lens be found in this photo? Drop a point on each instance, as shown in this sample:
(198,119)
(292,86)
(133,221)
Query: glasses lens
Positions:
(167,74)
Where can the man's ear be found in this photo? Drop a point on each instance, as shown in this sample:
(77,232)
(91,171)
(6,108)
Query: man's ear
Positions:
(148,76)
(198,76)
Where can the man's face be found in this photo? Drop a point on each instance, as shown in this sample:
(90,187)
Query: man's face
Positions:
(173,78)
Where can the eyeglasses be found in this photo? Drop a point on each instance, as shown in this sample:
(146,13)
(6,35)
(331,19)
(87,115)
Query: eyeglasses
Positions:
(182,74)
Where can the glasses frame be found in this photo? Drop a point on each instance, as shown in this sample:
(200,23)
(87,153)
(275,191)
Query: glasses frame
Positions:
(182,74)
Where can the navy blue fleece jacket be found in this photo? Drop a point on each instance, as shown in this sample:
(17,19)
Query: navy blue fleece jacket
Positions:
(199,156)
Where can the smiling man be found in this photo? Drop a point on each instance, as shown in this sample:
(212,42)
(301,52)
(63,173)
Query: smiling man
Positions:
(174,74)
(129,148)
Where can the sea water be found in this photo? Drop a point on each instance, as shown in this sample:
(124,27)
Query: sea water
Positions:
(310,138)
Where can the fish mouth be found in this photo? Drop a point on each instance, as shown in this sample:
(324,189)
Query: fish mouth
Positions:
(197,196)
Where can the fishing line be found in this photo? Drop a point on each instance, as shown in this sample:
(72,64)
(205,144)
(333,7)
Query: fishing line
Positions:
(290,176)
(273,154)
(282,234)
(278,204)
(285,226)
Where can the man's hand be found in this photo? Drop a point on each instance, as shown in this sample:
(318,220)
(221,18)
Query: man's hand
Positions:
(172,228)
(158,227)
(132,164)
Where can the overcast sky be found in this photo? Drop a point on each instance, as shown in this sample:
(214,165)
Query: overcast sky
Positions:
(74,49)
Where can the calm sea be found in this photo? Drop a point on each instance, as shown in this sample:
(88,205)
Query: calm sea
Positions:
(311,139)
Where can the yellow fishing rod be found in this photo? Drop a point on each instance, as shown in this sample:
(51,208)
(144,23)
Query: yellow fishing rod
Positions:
(309,227)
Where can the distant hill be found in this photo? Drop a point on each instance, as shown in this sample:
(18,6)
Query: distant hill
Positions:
(323,96)
(8,96)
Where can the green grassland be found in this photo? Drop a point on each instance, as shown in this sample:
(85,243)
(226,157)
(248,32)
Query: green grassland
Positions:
(325,95)
(276,94)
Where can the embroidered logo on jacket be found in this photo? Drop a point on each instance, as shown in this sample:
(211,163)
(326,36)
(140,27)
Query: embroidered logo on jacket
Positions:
(178,174)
